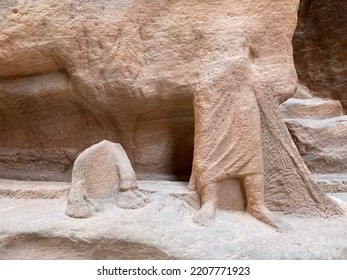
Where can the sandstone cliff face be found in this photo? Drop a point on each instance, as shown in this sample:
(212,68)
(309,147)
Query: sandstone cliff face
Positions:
(76,72)
(318,128)
(139,73)
(320,47)
(322,143)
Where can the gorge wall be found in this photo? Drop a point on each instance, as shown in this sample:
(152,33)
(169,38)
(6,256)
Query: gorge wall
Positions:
(320,48)
(58,79)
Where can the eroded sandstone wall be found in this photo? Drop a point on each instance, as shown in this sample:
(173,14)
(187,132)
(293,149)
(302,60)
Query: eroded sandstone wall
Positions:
(73,73)
(320,48)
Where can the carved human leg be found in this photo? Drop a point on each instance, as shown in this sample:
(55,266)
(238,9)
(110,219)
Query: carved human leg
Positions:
(208,198)
(228,140)
(254,189)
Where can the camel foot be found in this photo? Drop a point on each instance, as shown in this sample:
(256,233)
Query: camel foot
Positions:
(132,199)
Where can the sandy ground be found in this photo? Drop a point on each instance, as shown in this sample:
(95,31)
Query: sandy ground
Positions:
(39,229)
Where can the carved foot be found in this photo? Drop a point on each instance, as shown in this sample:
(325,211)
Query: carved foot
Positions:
(205,215)
(267,217)
(132,199)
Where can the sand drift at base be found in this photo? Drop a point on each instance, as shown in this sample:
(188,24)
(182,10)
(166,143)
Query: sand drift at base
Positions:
(163,229)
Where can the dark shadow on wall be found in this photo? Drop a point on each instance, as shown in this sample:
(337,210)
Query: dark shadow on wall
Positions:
(320,48)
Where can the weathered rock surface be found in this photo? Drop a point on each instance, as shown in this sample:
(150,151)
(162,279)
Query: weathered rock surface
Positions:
(320,48)
(75,73)
(34,246)
(33,189)
(318,130)
(128,71)
(162,229)
(174,82)
(313,108)
(322,143)
(56,190)
(332,182)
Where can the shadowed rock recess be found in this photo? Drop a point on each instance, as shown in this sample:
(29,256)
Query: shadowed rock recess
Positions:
(320,48)
(105,93)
